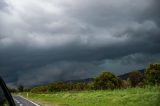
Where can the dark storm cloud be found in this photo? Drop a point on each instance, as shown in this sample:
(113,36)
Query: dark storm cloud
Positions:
(45,41)
(55,72)
(152,13)
(3,4)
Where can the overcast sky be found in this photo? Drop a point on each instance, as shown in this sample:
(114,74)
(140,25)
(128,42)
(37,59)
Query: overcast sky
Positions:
(43,41)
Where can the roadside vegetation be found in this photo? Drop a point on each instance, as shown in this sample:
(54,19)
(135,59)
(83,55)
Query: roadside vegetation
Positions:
(149,96)
(140,89)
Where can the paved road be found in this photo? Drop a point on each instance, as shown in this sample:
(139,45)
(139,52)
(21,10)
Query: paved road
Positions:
(21,101)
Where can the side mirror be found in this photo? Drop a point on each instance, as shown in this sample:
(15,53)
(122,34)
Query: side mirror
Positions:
(5,96)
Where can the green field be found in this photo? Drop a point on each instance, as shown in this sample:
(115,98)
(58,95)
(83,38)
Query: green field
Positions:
(149,96)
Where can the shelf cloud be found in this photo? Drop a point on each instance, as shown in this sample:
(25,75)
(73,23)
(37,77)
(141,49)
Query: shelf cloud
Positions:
(54,40)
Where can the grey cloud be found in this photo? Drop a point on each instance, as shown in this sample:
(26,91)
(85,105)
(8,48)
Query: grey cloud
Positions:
(130,62)
(3,5)
(139,58)
(55,72)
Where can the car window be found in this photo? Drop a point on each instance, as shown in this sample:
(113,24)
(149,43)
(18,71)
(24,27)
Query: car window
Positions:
(3,99)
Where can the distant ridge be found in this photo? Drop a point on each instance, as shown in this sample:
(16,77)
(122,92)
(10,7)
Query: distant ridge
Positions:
(125,76)
(86,80)
(80,80)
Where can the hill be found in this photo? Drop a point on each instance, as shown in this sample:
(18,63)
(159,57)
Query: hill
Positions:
(125,76)
(79,80)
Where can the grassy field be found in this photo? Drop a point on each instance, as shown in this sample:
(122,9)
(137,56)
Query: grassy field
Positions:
(149,96)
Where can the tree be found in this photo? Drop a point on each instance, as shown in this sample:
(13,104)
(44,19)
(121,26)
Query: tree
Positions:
(12,90)
(152,74)
(126,83)
(40,89)
(107,80)
(20,88)
(56,87)
(81,86)
(135,78)
(91,85)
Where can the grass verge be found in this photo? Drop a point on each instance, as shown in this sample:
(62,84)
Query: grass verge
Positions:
(149,96)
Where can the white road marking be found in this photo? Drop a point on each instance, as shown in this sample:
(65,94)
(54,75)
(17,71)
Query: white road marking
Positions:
(29,101)
(16,100)
(20,104)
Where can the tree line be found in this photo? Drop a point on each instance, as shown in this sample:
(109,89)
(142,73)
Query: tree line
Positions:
(105,80)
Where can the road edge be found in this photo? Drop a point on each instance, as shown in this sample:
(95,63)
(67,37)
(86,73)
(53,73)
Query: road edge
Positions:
(29,101)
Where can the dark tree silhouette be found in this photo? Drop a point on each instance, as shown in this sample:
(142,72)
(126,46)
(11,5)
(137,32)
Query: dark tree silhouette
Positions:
(152,74)
(135,78)
(107,80)
(20,88)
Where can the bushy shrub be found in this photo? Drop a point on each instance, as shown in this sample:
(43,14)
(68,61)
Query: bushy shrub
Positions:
(135,78)
(56,87)
(152,74)
(126,84)
(107,80)
(40,89)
